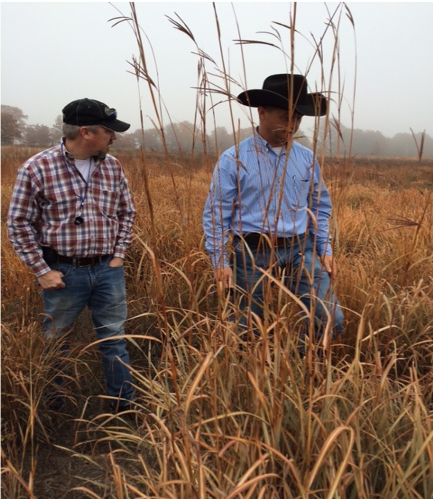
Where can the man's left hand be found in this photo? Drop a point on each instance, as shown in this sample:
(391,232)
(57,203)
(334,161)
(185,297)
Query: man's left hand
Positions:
(116,261)
(330,265)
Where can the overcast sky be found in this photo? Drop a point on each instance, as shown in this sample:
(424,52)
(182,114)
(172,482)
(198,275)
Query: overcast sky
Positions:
(56,52)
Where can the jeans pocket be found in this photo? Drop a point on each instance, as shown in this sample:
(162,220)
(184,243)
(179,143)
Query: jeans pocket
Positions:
(63,268)
(107,261)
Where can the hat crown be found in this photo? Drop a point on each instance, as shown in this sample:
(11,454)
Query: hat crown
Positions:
(83,111)
(286,91)
(288,86)
(87,112)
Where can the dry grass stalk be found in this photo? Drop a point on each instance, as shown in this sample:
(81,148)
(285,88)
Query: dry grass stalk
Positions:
(214,420)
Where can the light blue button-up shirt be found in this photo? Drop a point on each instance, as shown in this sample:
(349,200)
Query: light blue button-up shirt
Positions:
(255,189)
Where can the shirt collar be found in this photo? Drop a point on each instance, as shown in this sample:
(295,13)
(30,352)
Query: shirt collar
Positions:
(264,144)
(70,157)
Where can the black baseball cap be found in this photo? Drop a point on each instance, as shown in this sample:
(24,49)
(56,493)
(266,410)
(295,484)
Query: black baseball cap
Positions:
(86,112)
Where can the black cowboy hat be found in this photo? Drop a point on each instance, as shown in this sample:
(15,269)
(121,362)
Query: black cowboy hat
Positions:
(276,93)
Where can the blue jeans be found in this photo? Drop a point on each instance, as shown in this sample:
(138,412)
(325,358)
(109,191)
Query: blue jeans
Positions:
(304,277)
(102,289)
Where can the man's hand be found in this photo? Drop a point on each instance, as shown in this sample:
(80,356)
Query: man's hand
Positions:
(116,261)
(52,280)
(330,265)
(224,277)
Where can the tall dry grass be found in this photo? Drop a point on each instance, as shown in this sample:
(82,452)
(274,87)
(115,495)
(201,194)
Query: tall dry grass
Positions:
(212,419)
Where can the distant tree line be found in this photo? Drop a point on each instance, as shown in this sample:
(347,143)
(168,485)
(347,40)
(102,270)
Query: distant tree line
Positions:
(373,143)
(15,130)
(185,137)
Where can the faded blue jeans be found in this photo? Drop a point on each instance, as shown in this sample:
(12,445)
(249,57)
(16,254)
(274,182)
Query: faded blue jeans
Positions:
(102,289)
(304,277)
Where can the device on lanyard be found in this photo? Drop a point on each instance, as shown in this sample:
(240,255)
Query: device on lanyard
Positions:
(78,219)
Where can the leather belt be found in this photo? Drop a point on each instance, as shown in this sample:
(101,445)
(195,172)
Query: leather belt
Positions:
(81,262)
(254,239)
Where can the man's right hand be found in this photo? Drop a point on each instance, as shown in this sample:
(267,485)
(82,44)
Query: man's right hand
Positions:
(224,277)
(52,280)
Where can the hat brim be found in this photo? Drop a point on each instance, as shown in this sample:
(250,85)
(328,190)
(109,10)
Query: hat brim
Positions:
(116,125)
(314,104)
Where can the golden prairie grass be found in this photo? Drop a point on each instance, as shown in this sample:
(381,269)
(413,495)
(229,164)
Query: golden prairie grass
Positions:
(215,421)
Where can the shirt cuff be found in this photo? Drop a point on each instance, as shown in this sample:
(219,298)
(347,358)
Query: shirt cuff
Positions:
(41,268)
(325,249)
(120,253)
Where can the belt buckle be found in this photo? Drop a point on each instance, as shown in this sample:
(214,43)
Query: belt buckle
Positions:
(89,264)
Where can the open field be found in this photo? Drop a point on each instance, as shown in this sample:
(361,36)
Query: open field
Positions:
(214,421)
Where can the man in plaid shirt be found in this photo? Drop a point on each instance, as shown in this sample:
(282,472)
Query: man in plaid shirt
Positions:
(70,220)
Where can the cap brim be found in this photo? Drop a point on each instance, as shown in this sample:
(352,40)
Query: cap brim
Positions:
(316,104)
(116,125)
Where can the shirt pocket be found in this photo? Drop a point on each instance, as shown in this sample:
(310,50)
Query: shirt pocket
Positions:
(59,202)
(299,190)
(106,198)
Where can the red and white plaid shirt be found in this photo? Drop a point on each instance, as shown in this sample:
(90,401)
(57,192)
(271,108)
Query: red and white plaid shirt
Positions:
(47,198)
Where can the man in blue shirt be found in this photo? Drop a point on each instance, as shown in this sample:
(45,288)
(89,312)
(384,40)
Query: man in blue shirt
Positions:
(268,194)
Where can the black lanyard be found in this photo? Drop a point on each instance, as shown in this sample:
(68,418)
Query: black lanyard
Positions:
(78,219)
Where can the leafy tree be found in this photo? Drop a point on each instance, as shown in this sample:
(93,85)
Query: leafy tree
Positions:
(180,136)
(12,124)
(153,139)
(220,140)
(125,141)
(150,139)
(56,131)
(37,136)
